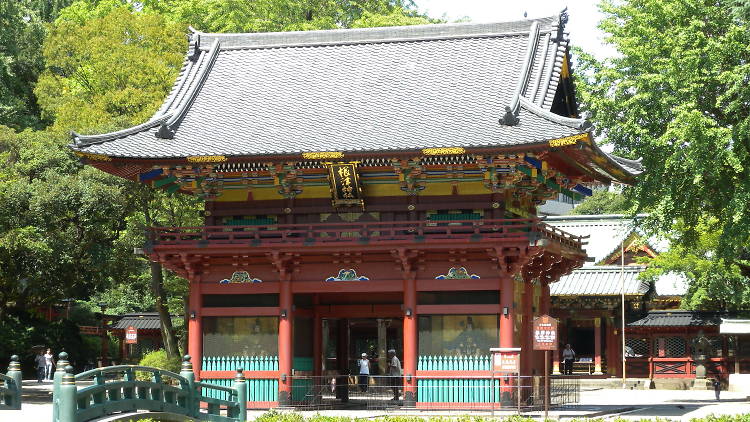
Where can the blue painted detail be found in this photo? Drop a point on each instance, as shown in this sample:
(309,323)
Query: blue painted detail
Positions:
(149,175)
(583,190)
(533,161)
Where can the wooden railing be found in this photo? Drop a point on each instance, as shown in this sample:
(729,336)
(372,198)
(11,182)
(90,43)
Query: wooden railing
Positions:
(10,390)
(525,230)
(130,388)
(684,367)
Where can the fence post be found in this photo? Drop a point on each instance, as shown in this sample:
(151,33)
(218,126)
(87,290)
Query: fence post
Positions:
(241,386)
(193,398)
(67,400)
(14,371)
(62,362)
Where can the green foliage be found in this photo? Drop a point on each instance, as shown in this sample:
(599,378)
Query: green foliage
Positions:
(604,202)
(677,95)
(23,31)
(58,221)
(278,15)
(159,359)
(714,283)
(109,72)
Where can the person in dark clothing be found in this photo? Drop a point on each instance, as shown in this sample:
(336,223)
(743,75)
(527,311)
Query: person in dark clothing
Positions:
(569,356)
(717,388)
(40,363)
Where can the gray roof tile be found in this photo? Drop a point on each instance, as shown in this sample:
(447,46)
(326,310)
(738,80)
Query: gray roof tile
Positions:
(679,318)
(600,281)
(401,88)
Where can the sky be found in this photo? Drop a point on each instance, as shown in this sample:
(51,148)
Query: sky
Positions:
(584,16)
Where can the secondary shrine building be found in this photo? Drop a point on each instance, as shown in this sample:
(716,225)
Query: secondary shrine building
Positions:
(365,190)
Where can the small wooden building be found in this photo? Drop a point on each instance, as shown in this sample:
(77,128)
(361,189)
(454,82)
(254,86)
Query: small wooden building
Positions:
(148,328)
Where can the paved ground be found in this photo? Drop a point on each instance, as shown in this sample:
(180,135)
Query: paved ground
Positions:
(605,403)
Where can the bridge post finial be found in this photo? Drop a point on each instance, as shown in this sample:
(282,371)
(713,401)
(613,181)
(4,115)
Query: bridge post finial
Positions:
(241,386)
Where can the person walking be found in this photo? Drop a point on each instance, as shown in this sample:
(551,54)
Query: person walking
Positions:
(364,372)
(39,364)
(569,356)
(717,388)
(49,364)
(394,372)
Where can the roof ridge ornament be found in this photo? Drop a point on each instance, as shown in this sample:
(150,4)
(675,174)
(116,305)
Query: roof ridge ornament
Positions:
(195,44)
(562,21)
(510,118)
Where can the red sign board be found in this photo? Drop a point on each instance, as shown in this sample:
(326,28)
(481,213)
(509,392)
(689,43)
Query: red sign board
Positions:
(506,362)
(131,335)
(545,333)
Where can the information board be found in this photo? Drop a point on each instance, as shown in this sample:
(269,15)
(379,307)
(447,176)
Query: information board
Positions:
(131,335)
(545,333)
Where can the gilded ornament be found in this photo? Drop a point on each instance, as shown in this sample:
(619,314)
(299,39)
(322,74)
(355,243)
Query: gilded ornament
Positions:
(444,151)
(568,140)
(94,157)
(207,159)
(322,155)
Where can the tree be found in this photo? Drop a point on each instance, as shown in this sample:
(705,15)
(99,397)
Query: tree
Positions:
(58,222)
(604,202)
(678,96)
(111,72)
(714,283)
(285,15)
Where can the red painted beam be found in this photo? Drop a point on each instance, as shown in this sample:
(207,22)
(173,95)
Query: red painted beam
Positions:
(239,288)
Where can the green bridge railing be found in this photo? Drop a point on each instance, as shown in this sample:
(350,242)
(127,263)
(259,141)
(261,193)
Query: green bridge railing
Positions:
(129,388)
(10,391)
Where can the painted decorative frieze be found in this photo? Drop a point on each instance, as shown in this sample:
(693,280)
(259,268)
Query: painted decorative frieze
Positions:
(457,273)
(348,275)
(240,277)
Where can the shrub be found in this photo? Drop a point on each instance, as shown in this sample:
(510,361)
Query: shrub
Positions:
(158,359)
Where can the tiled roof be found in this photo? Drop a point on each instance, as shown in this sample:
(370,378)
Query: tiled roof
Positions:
(141,321)
(600,281)
(678,319)
(357,90)
(605,232)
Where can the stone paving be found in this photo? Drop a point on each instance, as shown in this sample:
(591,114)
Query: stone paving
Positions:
(604,403)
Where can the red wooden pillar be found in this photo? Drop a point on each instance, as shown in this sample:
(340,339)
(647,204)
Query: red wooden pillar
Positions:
(410,339)
(526,334)
(507,318)
(597,346)
(561,346)
(285,339)
(506,303)
(545,300)
(317,339)
(195,328)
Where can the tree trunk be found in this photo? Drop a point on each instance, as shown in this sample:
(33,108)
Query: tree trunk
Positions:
(167,330)
(157,287)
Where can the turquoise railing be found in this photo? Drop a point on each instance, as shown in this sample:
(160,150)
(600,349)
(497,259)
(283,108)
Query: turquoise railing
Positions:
(458,390)
(455,390)
(454,363)
(259,389)
(130,388)
(10,391)
(231,363)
